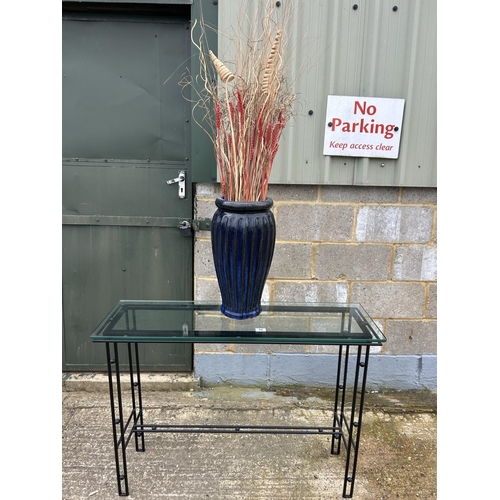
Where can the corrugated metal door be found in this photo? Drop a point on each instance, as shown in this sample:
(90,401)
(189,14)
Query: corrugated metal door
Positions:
(125,133)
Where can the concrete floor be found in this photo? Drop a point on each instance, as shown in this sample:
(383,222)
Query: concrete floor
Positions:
(397,457)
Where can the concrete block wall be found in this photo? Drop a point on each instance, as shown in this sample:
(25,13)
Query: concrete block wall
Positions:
(373,245)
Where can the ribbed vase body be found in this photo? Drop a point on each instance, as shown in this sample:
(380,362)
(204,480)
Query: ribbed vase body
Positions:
(243,238)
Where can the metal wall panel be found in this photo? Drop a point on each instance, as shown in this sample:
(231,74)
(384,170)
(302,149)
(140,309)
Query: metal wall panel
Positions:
(115,101)
(104,264)
(123,188)
(204,167)
(138,2)
(373,51)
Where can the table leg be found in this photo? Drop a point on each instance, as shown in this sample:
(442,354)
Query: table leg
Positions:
(117,421)
(136,409)
(340,387)
(354,424)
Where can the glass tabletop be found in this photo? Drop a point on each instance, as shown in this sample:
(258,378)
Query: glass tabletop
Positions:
(193,321)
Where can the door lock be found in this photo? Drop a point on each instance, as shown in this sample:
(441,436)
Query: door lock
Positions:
(182,183)
(185,228)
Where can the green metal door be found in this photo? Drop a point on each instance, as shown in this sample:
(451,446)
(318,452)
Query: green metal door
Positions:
(126,132)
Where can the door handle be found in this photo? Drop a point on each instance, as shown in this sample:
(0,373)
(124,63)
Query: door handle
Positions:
(182,183)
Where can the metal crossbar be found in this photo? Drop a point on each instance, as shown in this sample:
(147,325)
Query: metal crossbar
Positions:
(243,429)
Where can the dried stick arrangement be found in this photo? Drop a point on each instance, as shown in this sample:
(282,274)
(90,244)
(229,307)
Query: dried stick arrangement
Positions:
(247,108)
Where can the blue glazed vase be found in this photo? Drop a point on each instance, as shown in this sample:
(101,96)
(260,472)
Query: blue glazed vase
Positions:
(243,237)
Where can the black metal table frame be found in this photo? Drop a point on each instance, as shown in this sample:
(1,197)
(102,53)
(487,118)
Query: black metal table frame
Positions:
(346,428)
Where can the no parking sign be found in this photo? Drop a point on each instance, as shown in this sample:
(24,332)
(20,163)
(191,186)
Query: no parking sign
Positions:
(363,126)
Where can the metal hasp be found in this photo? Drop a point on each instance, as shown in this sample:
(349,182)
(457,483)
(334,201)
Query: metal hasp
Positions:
(182,183)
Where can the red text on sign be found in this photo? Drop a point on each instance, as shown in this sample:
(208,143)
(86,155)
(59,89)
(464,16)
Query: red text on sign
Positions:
(363,127)
(371,110)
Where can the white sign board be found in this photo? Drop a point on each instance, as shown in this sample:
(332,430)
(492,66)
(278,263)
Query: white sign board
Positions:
(363,126)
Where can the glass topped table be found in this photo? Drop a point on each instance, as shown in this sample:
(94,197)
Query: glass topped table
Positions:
(347,326)
(188,321)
